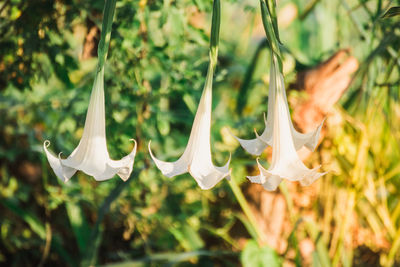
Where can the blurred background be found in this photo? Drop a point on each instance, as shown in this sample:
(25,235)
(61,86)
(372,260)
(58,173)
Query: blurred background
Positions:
(341,62)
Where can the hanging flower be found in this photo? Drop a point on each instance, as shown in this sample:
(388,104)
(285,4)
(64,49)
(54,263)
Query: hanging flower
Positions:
(196,158)
(256,146)
(91,156)
(284,140)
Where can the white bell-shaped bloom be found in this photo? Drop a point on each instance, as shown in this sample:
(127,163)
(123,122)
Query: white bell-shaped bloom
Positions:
(91,156)
(256,146)
(286,163)
(196,158)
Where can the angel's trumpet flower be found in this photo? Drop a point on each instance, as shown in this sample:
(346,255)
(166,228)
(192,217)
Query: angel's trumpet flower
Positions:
(91,156)
(196,158)
(284,140)
(256,146)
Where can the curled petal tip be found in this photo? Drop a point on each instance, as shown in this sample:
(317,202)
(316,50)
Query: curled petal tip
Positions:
(313,139)
(234,136)
(230,132)
(229,160)
(228,176)
(62,172)
(151,152)
(237,138)
(265,118)
(131,139)
(255,131)
(46,143)
(135,145)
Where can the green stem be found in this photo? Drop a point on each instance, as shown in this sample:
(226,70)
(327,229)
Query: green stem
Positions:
(214,39)
(246,209)
(215,26)
(289,201)
(271,4)
(271,28)
(108,16)
(90,257)
(393,250)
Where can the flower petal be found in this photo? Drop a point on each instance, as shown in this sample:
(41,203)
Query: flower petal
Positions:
(124,166)
(286,164)
(296,171)
(64,173)
(101,170)
(196,158)
(91,155)
(257,145)
(207,175)
(171,169)
(270,179)
(308,180)
(272,183)
(269,182)
(285,161)
(254,146)
(309,140)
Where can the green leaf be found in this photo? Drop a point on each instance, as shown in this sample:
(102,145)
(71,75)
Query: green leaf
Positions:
(162,117)
(392,12)
(174,28)
(169,258)
(255,256)
(92,249)
(188,237)
(79,225)
(190,103)
(243,95)
(321,255)
(34,223)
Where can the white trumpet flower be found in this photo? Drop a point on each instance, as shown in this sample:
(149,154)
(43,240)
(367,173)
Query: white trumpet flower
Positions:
(91,155)
(286,164)
(256,146)
(196,158)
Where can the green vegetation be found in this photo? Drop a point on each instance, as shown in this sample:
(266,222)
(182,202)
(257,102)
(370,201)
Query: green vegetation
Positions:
(154,75)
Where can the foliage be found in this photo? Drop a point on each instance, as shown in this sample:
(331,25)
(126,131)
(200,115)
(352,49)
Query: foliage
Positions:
(253,255)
